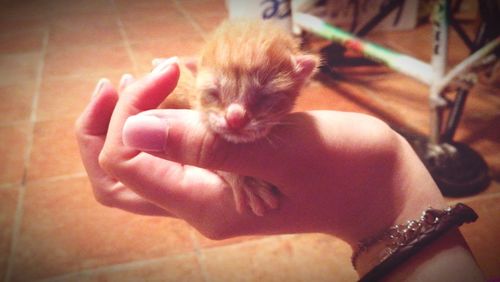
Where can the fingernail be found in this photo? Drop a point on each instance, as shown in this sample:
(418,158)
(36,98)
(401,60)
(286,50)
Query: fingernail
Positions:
(155,62)
(164,65)
(99,86)
(145,133)
(125,80)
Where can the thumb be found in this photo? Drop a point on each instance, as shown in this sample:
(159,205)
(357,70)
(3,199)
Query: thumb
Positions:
(181,136)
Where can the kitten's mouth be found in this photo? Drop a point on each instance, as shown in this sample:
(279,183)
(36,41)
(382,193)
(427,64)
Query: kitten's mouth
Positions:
(242,136)
(252,131)
(245,135)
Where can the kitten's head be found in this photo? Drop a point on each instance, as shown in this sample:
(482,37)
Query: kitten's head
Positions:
(248,78)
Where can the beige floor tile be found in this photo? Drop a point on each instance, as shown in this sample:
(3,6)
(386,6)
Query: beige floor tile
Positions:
(170,28)
(17,101)
(17,25)
(65,230)
(8,204)
(19,67)
(207,14)
(13,146)
(54,151)
(279,259)
(92,60)
(330,95)
(62,7)
(209,22)
(24,10)
(22,16)
(83,29)
(203,7)
(21,41)
(175,268)
(482,235)
(322,257)
(258,260)
(134,11)
(62,98)
(125,5)
(144,52)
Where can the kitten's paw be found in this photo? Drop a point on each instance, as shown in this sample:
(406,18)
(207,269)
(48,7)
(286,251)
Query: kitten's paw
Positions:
(262,195)
(248,192)
(255,203)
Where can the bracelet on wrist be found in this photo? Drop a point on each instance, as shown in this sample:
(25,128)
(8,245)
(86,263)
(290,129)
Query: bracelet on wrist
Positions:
(378,255)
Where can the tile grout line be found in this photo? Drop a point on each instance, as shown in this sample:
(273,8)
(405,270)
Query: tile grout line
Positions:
(126,41)
(193,23)
(27,153)
(6,186)
(109,268)
(129,265)
(200,256)
(60,177)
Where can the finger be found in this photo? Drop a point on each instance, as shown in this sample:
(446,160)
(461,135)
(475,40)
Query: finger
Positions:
(184,60)
(167,184)
(125,80)
(91,128)
(180,189)
(181,136)
(157,61)
(116,195)
(95,118)
(143,94)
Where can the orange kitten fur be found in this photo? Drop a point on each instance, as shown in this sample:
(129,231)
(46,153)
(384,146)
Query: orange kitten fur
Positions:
(246,78)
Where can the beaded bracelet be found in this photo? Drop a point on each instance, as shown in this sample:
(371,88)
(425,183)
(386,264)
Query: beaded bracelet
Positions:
(401,241)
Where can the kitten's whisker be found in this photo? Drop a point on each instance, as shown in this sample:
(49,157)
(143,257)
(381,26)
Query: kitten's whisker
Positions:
(274,140)
(279,139)
(280,123)
(270,141)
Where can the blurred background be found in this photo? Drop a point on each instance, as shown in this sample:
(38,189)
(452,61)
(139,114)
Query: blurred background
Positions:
(52,52)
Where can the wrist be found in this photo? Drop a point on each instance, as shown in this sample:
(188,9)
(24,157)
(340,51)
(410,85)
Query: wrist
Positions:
(407,191)
(378,256)
(447,258)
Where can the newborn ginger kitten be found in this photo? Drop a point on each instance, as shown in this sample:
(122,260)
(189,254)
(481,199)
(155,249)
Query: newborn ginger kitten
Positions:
(246,78)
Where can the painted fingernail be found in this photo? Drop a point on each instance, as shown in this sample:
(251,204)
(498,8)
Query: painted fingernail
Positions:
(145,133)
(165,64)
(99,86)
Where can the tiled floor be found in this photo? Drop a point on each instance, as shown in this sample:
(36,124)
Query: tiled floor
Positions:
(51,54)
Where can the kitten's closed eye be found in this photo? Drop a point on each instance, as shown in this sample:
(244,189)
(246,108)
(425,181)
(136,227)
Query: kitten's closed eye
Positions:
(269,103)
(245,81)
(211,96)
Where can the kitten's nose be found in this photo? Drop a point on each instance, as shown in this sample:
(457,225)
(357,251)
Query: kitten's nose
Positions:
(236,116)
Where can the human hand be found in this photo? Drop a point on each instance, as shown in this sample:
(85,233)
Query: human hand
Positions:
(341,173)
(107,160)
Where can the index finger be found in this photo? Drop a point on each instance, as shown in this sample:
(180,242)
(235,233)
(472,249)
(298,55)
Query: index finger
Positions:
(144,94)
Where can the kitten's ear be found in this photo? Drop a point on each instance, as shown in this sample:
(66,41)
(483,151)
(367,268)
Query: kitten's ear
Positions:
(191,63)
(306,66)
